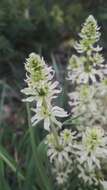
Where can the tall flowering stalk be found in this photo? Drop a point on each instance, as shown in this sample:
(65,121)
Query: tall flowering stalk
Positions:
(75,154)
(89,64)
(42,90)
(87,72)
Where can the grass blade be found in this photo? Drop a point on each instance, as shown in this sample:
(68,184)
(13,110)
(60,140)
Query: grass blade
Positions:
(10,162)
(41,172)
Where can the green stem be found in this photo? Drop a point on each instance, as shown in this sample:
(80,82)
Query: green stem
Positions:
(10,163)
(39,166)
(55,133)
(2,102)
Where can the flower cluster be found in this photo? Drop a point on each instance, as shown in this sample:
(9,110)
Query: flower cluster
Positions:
(42,90)
(93,150)
(89,65)
(78,152)
(61,152)
(88,102)
(91,102)
(62,157)
(89,36)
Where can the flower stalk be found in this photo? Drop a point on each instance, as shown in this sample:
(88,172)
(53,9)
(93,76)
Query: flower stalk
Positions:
(55,133)
(78,152)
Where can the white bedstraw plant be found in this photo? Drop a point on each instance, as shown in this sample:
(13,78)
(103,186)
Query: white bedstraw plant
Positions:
(74,154)
(89,63)
(87,71)
(42,90)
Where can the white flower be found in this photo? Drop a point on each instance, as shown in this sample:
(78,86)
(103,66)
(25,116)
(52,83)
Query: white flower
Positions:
(97,59)
(89,35)
(48,114)
(90,29)
(67,136)
(81,101)
(90,104)
(89,177)
(39,84)
(37,70)
(42,90)
(93,138)
(91,152)
(84,71)
(62,172)
(47,90)
(86,75)
(102,88)
(94,147)
(88,66)
(66,142)
(55,153)
(62,177)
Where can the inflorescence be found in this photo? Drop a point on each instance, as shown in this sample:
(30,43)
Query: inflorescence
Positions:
(78,152)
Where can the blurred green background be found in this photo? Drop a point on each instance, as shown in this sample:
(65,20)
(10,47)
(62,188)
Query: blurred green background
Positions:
(42,26)
(47,27)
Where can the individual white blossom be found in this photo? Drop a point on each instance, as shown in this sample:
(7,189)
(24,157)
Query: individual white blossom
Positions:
(97,59)
(59,153)
(94,142)
(67,136)
(66,143)
(62,174)
(48,114)
(81,100)
(89,177)
(45,90)
(62,156)
(102,88)
(82,69)
(92,150)
(84,74)
(61,177)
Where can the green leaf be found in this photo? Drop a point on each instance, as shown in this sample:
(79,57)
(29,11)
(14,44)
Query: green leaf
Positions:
(44,179)
(10,162)
(42,150)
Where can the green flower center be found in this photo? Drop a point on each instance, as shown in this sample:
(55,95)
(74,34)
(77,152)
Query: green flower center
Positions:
(73,62)
(105,82)
(67,136)
(87,68)
(43,91)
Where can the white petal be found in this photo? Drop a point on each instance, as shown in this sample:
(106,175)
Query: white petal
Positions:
(34,118)
(33,124)
(29,99)
(56,122)
(46,124)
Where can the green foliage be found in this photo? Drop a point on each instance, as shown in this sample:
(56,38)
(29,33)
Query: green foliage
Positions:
(6,49)
(34,26)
